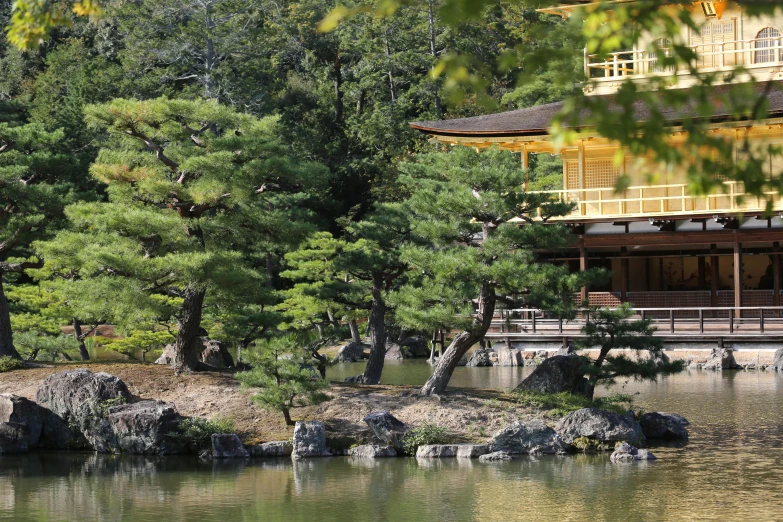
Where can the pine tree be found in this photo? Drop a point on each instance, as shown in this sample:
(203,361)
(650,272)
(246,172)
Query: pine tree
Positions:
(199,197)
(355,273)
(614,329)
(481,231)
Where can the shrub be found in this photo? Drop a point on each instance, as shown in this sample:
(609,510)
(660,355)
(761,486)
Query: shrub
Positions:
(197,432)
(9,363)
(423,435)
(561,404)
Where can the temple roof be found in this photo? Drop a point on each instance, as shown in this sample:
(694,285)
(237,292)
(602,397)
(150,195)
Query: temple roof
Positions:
(534,121)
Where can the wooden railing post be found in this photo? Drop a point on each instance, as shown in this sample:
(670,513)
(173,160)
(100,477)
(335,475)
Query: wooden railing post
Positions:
(560,325)
(671,320)
(761,320)
(701,320)
(534,320)
(731,320)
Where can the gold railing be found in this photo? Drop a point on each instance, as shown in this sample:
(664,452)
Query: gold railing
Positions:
(754,53)
(657,200)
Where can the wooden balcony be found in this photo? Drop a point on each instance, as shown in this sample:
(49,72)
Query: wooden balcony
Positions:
(660,200)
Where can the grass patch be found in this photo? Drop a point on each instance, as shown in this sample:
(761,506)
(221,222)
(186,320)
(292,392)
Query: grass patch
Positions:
(8,364)
(561,404)
(423,435)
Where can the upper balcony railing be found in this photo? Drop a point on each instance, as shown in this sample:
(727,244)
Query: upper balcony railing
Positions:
(661,200)
(751,54)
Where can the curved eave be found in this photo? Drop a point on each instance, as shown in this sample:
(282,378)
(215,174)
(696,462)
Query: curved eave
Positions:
(478,134)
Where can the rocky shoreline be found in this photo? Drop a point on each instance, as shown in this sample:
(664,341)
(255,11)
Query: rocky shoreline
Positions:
(81,410)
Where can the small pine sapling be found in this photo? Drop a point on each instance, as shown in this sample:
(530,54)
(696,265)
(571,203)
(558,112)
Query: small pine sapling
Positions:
(614,329)
(283,376)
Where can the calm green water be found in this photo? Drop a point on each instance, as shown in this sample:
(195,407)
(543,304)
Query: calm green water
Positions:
(728,471)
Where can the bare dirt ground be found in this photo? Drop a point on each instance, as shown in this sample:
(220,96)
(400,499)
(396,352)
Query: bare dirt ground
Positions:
(468,415)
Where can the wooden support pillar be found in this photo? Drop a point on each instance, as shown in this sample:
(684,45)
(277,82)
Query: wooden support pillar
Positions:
(525,165)
(647,276)
(624,277)
(714,276)
(583,267)
(776,273)
(738,282)
(702,273)
(660,274)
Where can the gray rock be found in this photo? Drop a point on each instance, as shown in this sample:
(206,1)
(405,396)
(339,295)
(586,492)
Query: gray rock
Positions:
(56,434)
(216,354)
(351,352)
(542,354)
(599,425)
(472,451)
(309,440)
(532,436)
(13,438)
(417,346)
(82,399)
(566,350)
(387,428)
(145,428)
(205,454)
(625,452)
(777,362)
(20,410)
(281,448)
(167,357)
(658,425)
(479,358)
(372,451)
(509,357)
(721,359)
(228,446)
(394,352)
(496,456)
(437,451)
(557,374)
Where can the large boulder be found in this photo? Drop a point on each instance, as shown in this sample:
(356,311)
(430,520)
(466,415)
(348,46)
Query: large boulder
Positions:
(228,446)
(280,448)
(167,357)
(145,428)
(437,451)
(20,410)
(557,374)
(496,456)
(599,425)
(624,452)
(479,358)
(387,428)
(394,352)
(13,438)
(351,352)
(658,425)
(372,451)
(309,440)
(472,451)
(216,354)
(509,357)
(529,437)
(417,346)
(82,399)
(721,359)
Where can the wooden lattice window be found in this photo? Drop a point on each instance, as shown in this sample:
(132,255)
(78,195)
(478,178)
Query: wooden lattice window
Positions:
(572,175)
(710,40)
(767,45)
(601,173)
(663,47)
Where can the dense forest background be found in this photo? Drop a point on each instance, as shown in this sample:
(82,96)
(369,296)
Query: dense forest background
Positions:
(339,102)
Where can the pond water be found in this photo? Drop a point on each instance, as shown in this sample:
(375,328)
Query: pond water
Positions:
(728,470)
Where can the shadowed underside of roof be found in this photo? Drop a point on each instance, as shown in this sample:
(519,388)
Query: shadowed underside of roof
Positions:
(534,121)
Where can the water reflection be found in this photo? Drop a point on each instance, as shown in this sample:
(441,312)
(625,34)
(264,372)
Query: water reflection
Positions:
(727,471)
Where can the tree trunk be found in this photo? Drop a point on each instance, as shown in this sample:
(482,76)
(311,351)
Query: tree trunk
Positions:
(7,348)
(434,52)
(355,337)
(77,333)
(188,346)
(462,343)
(403,335)
(374,368)
(287,417)
(338,90)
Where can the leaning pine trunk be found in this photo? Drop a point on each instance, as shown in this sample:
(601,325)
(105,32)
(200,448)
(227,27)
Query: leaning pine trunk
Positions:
(448,361)
(77,333)
(355,337)
(188,345)
(374,368)
(7,348)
